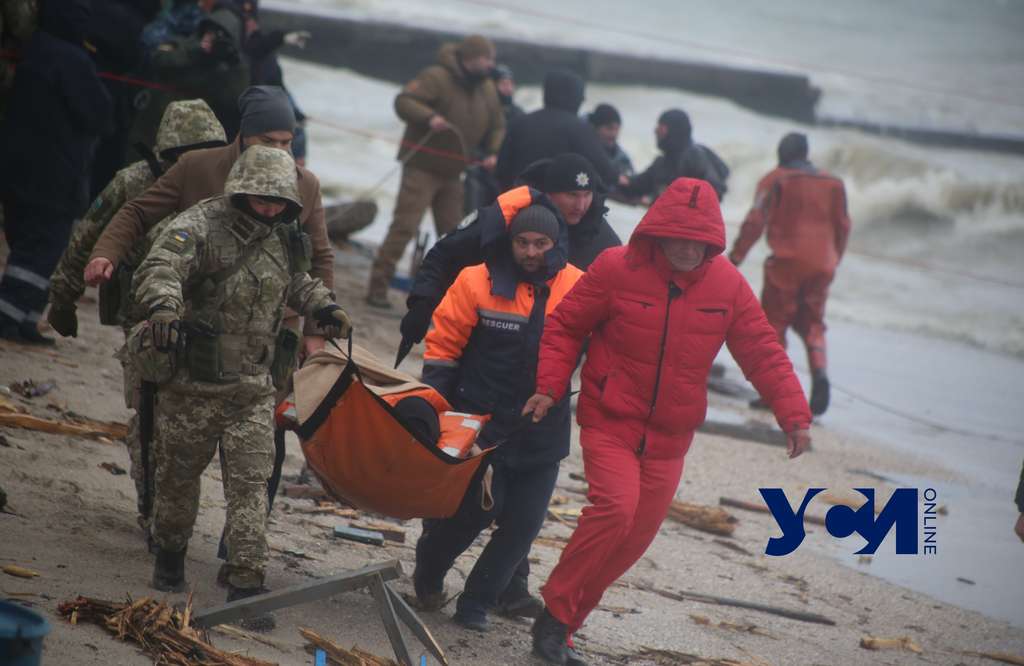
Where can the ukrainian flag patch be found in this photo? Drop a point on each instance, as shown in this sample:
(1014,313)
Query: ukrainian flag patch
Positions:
(178,241)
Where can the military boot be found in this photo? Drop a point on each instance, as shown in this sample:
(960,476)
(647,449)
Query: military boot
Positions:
(820,391)
(549,639)
(261,623)
(522,604)
(169,570)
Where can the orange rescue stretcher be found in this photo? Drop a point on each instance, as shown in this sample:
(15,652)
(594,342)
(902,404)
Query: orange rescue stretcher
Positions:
(364,455)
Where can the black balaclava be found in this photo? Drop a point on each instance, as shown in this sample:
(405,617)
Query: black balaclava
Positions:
(680,132)
(241,202)
(604,114)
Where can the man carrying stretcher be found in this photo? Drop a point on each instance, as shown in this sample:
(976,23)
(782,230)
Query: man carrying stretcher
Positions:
(481,355)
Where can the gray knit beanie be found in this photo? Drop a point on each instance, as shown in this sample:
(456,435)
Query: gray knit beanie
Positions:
(265,109)
(535,218)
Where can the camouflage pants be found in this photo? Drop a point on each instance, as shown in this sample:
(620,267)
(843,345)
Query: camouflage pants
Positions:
(188,430)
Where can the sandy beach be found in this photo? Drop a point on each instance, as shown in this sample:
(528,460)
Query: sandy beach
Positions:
(73,522)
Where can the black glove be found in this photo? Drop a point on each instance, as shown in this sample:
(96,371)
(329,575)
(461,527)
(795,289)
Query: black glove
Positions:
(165,328)
(333,320)
(416,321)
(64,319)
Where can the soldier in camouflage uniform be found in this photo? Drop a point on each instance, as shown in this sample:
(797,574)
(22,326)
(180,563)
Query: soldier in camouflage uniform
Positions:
(186,125)
(222,273)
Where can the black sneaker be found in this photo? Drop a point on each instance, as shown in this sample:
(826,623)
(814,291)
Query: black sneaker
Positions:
(169,571)
(474,621)
(526,605)
(820,393)
(549,639)
(261,623)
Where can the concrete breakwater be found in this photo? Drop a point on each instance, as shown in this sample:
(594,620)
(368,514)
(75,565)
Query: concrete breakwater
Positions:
(395,51)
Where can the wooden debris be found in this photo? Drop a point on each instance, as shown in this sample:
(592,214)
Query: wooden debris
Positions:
(738,603)
(163,632)
(731,546)
(298,491)
(900,643)
(1002,657)
(79,427)
(761,508)
(113,468)
(577,477)
(340,656)
(391,532)
(710,519)
(328,510)
(19,572)
(558,500)
(745,628)
(235,632)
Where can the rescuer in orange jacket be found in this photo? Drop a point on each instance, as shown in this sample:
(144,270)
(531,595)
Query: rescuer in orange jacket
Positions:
(804,212)
(481,355)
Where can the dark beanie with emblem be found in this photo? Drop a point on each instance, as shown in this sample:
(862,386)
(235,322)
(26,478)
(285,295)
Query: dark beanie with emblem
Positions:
(535,218)
(569,172)
(265,109)
(476,46)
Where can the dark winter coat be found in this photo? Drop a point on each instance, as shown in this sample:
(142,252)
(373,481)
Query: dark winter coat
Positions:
(57,110)
(681,158)
(555,129)
(654,333)
(475,242)
(481,352)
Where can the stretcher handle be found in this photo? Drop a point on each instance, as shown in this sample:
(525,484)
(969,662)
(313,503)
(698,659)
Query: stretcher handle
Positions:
(350,360)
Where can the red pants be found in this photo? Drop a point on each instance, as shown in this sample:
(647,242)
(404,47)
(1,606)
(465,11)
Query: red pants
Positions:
(794,294)
(629,498)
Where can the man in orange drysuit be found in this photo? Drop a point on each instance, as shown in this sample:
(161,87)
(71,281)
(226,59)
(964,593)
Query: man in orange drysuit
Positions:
(804,210)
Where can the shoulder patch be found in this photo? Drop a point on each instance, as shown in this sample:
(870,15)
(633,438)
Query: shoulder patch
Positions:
(178,241)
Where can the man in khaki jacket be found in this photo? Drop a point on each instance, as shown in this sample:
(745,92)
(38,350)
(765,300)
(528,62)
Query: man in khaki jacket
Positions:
(267,120)
(449,109)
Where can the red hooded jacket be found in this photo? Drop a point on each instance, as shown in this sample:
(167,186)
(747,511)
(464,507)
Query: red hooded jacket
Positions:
(655,332)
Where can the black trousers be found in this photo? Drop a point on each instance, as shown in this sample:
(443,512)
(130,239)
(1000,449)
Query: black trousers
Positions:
(37,237)
(521,498)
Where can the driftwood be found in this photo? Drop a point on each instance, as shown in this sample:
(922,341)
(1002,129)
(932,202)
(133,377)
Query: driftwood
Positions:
(1002,657)
(340,656)
(738,603)
(164,633)
(673,658)
(19,572)
(14,416)
(760,508)
(704,518)
(901,643)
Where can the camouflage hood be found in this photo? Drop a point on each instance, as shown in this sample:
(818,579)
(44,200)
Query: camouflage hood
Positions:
(187,125)
(265,172)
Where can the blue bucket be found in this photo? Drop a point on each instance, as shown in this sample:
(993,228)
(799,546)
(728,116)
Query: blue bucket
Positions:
(21,635)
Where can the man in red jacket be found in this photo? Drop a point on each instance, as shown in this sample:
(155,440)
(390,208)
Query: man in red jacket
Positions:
(657,311)
(804,211)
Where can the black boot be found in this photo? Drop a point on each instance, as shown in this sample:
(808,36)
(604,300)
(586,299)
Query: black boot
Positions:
(261,623)
(820,391)
(549,638)
(169,570)
(573,658)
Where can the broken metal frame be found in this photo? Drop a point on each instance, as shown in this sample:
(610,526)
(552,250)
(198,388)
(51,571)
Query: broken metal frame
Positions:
(391,605)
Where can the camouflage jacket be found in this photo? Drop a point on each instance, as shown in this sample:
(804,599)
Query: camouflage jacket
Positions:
(185,125)
(67,284)
(215,266)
